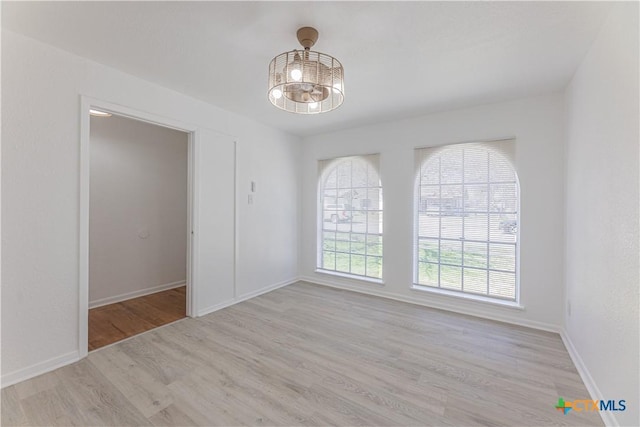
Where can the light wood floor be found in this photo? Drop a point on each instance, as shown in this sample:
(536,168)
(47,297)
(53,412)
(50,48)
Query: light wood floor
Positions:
(115,322)
(311,355)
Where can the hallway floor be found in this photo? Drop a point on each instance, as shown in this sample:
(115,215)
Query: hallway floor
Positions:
(115,322)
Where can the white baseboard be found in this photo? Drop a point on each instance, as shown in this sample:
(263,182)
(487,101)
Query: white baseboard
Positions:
(40,368)
(485,314)
(245,297)
(607,417)
(135,294)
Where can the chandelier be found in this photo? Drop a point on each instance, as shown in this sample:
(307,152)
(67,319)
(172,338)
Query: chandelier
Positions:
(305,81)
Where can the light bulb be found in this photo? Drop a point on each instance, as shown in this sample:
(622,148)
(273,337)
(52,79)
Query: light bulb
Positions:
(296,74)
(313,105)
(276,93)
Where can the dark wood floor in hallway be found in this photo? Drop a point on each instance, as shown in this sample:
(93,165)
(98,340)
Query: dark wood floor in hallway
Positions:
(314,356)
(114,322)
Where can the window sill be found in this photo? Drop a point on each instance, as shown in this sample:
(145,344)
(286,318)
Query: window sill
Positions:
(350,276)
(478,298)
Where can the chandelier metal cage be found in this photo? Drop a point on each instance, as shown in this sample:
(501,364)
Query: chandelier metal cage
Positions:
(306,81)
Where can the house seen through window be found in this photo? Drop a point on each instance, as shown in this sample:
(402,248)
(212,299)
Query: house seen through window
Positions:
(466,213)
(350,216)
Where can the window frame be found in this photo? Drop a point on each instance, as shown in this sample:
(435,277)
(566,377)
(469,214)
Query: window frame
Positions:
(331,165)
(485,297)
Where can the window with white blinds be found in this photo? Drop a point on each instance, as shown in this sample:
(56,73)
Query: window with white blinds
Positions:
(467,218)
(350,216)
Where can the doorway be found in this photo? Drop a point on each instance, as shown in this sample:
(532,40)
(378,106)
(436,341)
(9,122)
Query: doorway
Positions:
(139,226)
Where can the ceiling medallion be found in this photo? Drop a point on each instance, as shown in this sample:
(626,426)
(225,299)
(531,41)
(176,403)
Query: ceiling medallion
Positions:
(306,81)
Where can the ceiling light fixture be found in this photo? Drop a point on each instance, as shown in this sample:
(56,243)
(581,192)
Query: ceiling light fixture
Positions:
(305,81)
(98,113)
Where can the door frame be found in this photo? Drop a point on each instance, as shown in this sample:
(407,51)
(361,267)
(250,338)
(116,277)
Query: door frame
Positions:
(193,132)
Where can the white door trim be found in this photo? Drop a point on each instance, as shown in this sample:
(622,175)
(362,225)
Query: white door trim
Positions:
(192,220)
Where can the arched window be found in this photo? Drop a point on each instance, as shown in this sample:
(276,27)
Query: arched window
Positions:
(467,219)
(350,216)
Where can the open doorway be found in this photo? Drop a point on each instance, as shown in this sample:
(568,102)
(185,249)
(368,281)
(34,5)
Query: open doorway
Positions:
(138,227)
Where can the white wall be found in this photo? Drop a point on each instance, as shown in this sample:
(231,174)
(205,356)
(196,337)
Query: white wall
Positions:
(40,185)
(602,258)
(269,232)
(138,209)
(537,125)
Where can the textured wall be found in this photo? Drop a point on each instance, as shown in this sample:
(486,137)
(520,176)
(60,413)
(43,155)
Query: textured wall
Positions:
(602,271)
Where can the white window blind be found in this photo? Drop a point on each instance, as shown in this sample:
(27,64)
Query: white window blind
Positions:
(350,216)
(467,218)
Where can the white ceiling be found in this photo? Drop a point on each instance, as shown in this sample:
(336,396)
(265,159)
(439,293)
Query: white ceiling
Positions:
(400,58)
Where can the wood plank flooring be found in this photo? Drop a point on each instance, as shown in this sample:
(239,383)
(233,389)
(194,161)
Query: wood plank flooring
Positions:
(310,355)
(115,322)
